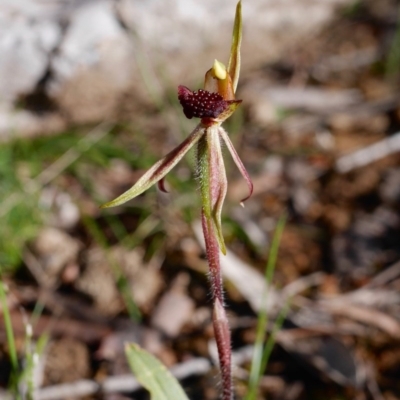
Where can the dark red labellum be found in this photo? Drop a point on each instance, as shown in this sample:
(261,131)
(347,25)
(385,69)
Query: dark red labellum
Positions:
(201,103)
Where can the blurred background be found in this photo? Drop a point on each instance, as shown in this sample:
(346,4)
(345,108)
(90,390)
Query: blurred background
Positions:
(88,101)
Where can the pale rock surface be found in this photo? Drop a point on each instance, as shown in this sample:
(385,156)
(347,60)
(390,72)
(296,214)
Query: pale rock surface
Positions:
(93,65)
(26,43)
(85,55)
(16,123)
(192,33)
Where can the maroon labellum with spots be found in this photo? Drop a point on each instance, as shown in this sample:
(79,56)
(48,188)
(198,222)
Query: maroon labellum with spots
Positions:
(201,103)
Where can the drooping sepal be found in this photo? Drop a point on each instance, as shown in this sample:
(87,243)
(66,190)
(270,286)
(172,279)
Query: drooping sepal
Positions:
(157,172)
(161,185)
(238,163)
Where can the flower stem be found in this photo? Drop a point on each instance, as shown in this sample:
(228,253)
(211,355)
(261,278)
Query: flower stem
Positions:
(220,320)
(212,251)
(223,339)
(213,189)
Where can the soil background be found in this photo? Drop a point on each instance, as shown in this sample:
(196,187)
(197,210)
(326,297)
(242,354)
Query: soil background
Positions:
(319,133)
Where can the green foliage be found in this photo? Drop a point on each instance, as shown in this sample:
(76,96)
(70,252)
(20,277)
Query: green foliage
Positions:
(9,330)
(393,58)
(262,352)
(18,226)
(27,165)
(153,375)
(33,350)
(352,9)
(21,380)
(19,219)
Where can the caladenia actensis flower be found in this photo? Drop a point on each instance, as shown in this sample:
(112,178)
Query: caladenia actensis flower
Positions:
(213,106)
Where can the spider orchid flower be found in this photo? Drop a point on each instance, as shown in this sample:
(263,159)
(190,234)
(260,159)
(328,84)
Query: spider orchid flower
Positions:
(213,105)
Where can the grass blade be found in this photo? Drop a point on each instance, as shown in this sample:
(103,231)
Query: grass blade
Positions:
(9,330)
(260,356)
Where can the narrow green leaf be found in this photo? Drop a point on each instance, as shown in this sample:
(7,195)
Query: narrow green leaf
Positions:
(260,354)
(153,375)
(234,60)
(12,349)
(392,66)
(9,329)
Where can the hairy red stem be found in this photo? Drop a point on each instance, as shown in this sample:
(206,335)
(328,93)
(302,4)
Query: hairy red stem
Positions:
(223,339)
(220,320)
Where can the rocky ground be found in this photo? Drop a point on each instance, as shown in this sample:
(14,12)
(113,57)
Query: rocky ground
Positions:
(89,102)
